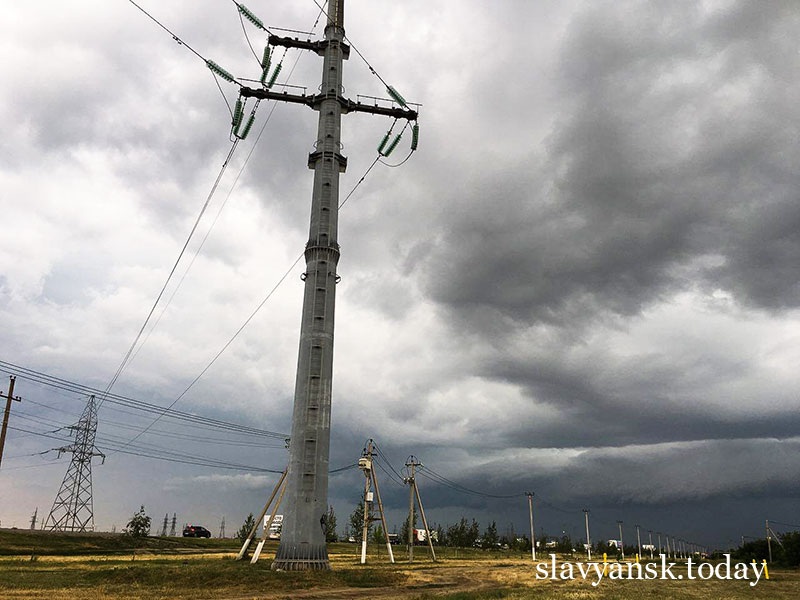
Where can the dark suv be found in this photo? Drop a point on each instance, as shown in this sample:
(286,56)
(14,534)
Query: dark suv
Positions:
(196,531)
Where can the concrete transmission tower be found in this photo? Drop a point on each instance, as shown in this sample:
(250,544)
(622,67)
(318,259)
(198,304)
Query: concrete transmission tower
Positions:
(302,545)
(73,508)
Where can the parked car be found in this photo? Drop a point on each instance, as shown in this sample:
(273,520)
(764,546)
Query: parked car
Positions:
(196,531)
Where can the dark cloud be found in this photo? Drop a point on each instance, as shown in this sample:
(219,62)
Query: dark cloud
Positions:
(584,283)
(673,144)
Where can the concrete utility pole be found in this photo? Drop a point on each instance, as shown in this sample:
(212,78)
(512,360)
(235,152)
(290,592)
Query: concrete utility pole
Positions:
(9,397)
(639,541)
(588,539)
(621,542)
(533,530)
(769,541)
(33,518)
(650,537)
(302,545)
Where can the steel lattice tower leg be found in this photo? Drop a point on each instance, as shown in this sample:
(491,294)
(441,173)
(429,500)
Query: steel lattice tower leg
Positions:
(73,508)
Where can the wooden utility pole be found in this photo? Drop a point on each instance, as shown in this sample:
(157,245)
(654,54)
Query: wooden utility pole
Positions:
(371,479)
(9,397)
(383,516)
(425,522)
(260,519)
(533,530)
(365,465)
(267,526)
(410,480)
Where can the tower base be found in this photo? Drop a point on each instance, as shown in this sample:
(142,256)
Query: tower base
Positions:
(301,557)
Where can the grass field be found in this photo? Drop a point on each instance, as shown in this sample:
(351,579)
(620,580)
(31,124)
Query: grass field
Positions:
(103,567)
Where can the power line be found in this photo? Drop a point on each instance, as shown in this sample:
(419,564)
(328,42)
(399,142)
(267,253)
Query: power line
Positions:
(771,522)
(164,27)
(169,456)
(219,211)
(353,46)
(179,435)
(124,362)
(146,407)
(253,314)
(434,476)
(247,38)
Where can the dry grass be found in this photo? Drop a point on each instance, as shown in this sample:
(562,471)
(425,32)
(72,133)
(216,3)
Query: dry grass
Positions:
(196,572)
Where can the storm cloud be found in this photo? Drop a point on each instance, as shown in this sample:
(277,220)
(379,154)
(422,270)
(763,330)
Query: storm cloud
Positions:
(585,283)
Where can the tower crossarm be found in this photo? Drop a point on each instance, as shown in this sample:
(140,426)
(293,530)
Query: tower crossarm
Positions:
(318,47)
(346,104)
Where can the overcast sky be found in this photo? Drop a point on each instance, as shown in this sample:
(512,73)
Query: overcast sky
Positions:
(585,283)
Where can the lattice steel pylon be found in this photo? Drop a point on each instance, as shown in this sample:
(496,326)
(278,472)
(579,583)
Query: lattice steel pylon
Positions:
(73,508)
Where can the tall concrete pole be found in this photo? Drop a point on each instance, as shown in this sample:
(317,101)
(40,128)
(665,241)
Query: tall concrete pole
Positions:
(302,545)
(638,541)
(588,540)
(621,542)
(650,537)
(769,540)
(533,531)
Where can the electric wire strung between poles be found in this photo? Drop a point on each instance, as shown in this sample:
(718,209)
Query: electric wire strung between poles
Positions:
(125,360)
(163,433)
(165,456)
(222,205)
(253,314)
(434,476)
(145,407)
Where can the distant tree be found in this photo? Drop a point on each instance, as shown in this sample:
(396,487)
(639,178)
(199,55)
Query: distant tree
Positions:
(330,526)
(791,548)
(244,530)
(490,537)
(139,525)
(441,537)
(357,522)
(472,533)
(521,544)
(404,530)
(377,536)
